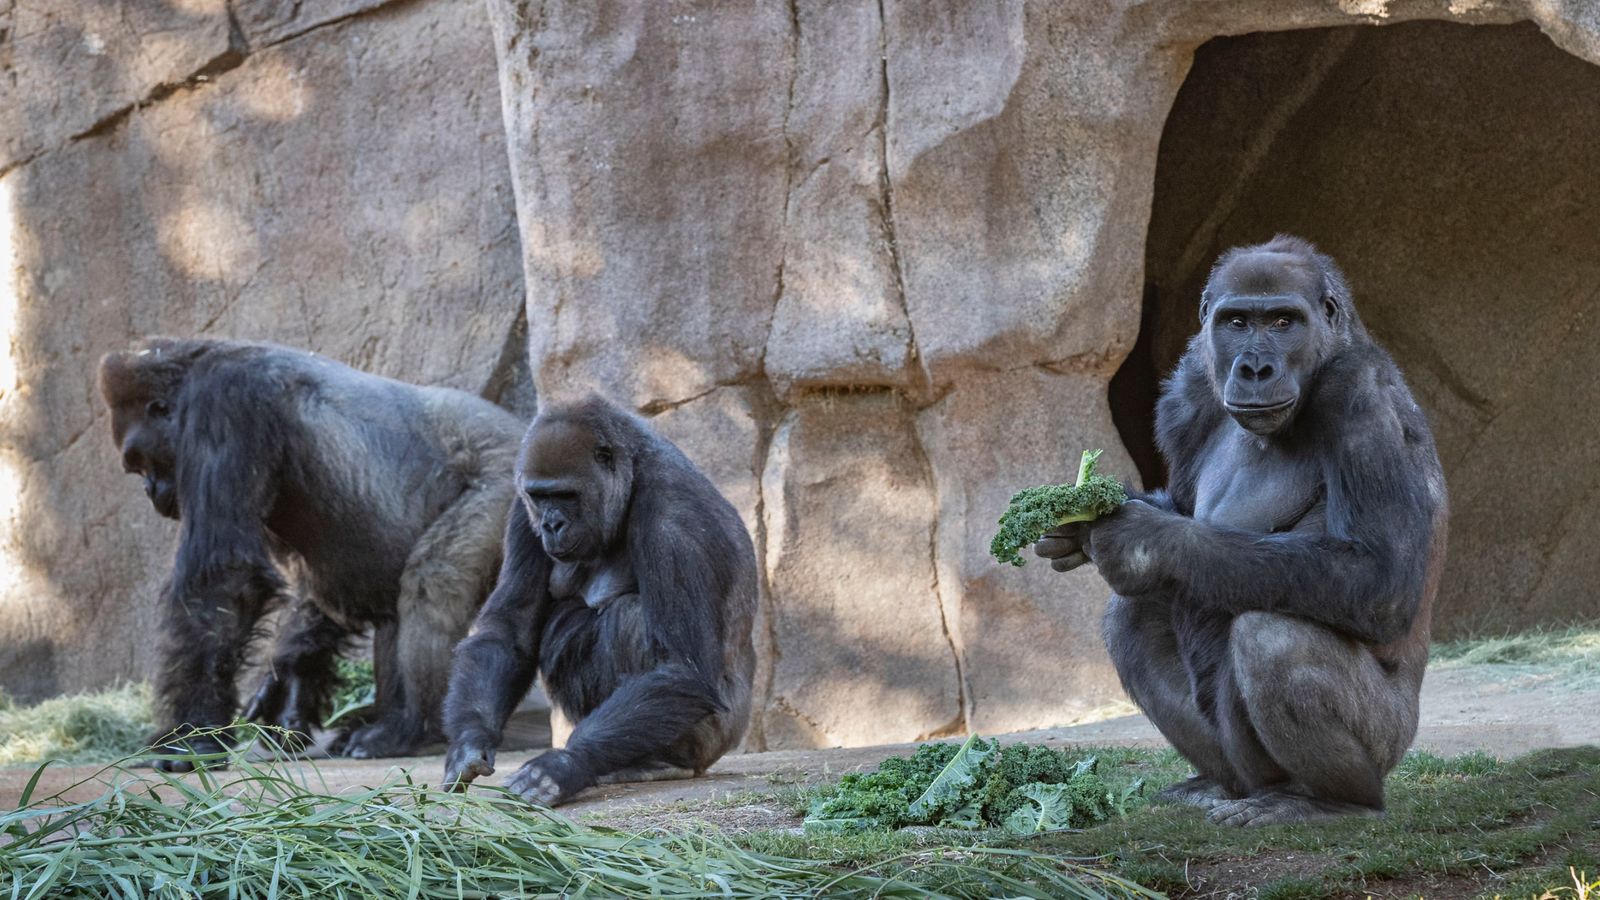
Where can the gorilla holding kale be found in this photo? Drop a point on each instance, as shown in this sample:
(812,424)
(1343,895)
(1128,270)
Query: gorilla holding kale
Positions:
(1271,607)
(388,499)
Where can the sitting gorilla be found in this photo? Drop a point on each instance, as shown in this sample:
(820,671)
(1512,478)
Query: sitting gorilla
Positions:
(629,587)
(387,499)
(1271,610)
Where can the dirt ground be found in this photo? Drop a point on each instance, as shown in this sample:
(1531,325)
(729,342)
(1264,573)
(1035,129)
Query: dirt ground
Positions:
(1499,709)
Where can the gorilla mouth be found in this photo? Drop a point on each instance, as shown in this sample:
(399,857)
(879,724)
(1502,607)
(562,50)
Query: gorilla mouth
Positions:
(1253,409)
(1264,419)
(162,496)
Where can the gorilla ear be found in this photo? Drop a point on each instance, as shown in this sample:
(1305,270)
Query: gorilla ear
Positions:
(1330,307)
(1205,305)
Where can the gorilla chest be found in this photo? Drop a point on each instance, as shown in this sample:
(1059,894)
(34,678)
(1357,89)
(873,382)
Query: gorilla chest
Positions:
(597,584)
(1255,485)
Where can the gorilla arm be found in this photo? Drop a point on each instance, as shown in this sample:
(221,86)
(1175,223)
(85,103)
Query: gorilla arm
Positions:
(496,663)
(1363,575)
(224,577)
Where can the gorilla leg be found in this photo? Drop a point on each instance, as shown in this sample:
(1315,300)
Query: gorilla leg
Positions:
(1324,710)
(628,715)
(294,692)
(449,571)
(1144,649)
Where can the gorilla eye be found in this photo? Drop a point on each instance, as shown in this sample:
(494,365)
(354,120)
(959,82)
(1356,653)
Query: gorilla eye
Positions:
(156,409)
(602,455)
(1237,322)
(1281,322)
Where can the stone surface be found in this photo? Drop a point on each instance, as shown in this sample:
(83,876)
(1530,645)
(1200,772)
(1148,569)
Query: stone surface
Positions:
(345,191)
(839,318)
(863,653)
(67,67)
(650,149)
(1031,651)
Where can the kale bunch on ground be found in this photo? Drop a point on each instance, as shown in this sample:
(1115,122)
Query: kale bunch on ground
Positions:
(1023,788)
(1034,511)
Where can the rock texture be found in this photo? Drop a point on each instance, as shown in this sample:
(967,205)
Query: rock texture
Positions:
(336,182)
(893,255)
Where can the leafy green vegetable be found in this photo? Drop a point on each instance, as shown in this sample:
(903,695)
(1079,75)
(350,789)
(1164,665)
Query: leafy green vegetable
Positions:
(1036,510)
(880,799)
(1024,788)
(1050,810)
(950,787)
(357,692)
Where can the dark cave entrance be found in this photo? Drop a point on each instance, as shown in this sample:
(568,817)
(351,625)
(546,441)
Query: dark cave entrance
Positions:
(1454,173)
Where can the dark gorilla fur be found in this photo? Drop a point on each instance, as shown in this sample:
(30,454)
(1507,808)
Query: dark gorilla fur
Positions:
(1272,607)
(384,498)
(629,588)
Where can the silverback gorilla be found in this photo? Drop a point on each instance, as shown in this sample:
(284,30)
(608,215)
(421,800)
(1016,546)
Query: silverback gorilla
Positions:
(629,587)
(1271,607)
(387,498)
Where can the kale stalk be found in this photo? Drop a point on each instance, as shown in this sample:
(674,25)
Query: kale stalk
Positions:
(1034,511)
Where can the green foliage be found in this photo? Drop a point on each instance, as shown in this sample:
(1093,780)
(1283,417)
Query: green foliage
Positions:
(267,830)
(358,689)
(81,728)
(1036,510)
(1463,826)
(1022,788)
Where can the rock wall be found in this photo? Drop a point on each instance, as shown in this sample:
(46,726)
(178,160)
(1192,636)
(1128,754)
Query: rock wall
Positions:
(328,175)
(874,266)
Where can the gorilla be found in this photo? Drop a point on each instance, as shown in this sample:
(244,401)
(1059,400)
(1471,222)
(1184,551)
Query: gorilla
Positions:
(629,588)
(385,498)
(1271,607)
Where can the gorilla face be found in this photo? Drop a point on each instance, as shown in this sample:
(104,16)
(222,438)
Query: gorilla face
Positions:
(1267,335)
(145,434)
(575,487)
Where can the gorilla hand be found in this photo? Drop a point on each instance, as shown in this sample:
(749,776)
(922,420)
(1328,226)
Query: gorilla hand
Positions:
(267,704)
(1064,547)
(553,778)
(1121,546)
(278,703)
(469,758)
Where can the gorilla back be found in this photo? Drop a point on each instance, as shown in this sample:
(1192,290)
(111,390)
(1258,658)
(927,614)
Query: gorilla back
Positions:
(629,587)
(385,496)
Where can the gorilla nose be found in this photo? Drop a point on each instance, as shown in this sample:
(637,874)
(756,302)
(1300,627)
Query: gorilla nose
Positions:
(554,524)
(1249,367)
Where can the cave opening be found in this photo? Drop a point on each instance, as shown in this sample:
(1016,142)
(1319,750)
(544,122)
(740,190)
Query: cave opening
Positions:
(1454,173)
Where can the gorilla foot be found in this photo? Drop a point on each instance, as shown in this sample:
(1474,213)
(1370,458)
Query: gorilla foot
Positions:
(381,738)
(1197,790)
(1283,808)
(646,773)
(551,779)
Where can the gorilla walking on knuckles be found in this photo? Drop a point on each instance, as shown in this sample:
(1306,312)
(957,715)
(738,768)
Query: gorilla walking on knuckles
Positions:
(629,587)
(387,498)
(1271,607)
